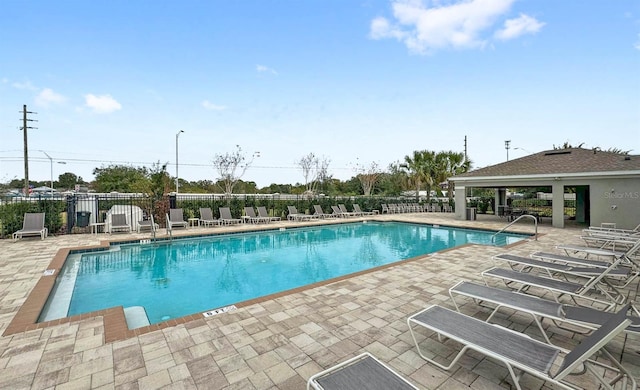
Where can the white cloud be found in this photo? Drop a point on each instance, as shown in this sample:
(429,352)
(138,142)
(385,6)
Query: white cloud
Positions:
(102,104)
(26,85)
(425,27)
(265,69)
(213,107)
(514,28)
(47,96)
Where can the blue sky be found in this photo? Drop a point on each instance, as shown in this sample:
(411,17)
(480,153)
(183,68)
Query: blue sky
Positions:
(354,81)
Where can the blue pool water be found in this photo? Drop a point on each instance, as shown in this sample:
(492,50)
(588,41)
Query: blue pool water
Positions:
(186,276)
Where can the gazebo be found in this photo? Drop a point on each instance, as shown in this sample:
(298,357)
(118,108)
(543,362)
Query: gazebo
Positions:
(606,184)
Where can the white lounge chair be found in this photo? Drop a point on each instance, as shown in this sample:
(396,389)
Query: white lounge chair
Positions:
(348,213)
(206,217)
(363,372)
(589,269)
(175,218)
(147,224)
(537,308)
(119,224)
(357,209)
(263,213)
(628,253)
(32,225)
(251,217)
(520,352)
(525,281)
(294,215)
(226,218)
(339,213)
(320,213)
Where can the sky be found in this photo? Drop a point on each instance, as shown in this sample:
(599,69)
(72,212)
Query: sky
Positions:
(354,82)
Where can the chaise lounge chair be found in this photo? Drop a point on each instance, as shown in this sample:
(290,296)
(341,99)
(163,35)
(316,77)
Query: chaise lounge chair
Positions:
(537,308)
(363,372)
(629,253)
(558,288)
(250,216)
(339,213)
(582,268)
(262,212)
(206,217)
(319,213)
(32,225)
(357,209)
(175,218)
(119,224)
(520,352)
(346,212)
(147,224)
(294,215)
(226,218)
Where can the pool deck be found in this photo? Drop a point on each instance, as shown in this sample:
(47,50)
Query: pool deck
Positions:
(280,342)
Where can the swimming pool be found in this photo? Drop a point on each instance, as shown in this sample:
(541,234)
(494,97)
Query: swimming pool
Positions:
(172,279)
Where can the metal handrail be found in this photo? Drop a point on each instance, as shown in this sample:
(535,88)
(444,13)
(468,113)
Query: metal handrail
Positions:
(535,221)
(153,228)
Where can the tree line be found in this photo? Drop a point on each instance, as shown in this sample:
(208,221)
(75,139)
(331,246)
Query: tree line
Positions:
(422,170)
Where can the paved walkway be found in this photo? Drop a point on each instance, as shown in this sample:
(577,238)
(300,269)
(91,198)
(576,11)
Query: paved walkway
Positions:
(279,343)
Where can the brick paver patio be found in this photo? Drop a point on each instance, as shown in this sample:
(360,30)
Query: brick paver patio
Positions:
(277,343)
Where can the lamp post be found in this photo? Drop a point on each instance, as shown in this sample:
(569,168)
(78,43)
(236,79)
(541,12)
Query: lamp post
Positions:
(177,135)
(51,164)
(507,144)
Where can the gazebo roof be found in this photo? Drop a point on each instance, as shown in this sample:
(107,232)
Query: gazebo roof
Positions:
(560,161)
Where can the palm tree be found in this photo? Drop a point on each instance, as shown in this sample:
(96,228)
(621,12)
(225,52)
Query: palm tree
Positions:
(421,168)
(456,164)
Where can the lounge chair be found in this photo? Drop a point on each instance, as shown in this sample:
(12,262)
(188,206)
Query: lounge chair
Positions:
(175,218)
(348,213)
(357,209)
(147,224)
(226,218)
(262,212)
(32,225)
(339,213)
(566,265)
(320,213)
(119,224)
(598,252)
(363,372)
(537,308)
(206,217)
(520,352)
(294,215)
(384,209)
(250,216)
(557,288)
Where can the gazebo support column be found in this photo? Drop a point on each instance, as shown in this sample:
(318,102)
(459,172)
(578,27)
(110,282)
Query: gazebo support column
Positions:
(461,202)
(557,190)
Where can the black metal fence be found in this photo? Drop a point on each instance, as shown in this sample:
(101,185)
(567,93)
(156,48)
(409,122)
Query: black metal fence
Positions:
(79,213)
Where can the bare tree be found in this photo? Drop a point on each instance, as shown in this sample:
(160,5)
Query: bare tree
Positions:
(231,166)
(314,170)
(368,176)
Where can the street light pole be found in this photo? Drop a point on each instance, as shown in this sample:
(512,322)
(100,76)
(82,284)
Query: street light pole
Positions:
(507,144)
(177,135)
(51,163)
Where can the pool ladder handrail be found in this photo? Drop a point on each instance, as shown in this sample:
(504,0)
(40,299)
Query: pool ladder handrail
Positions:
(535,221)
(153,228)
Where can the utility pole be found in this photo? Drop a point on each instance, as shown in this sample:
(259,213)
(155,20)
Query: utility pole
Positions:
(26,149)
